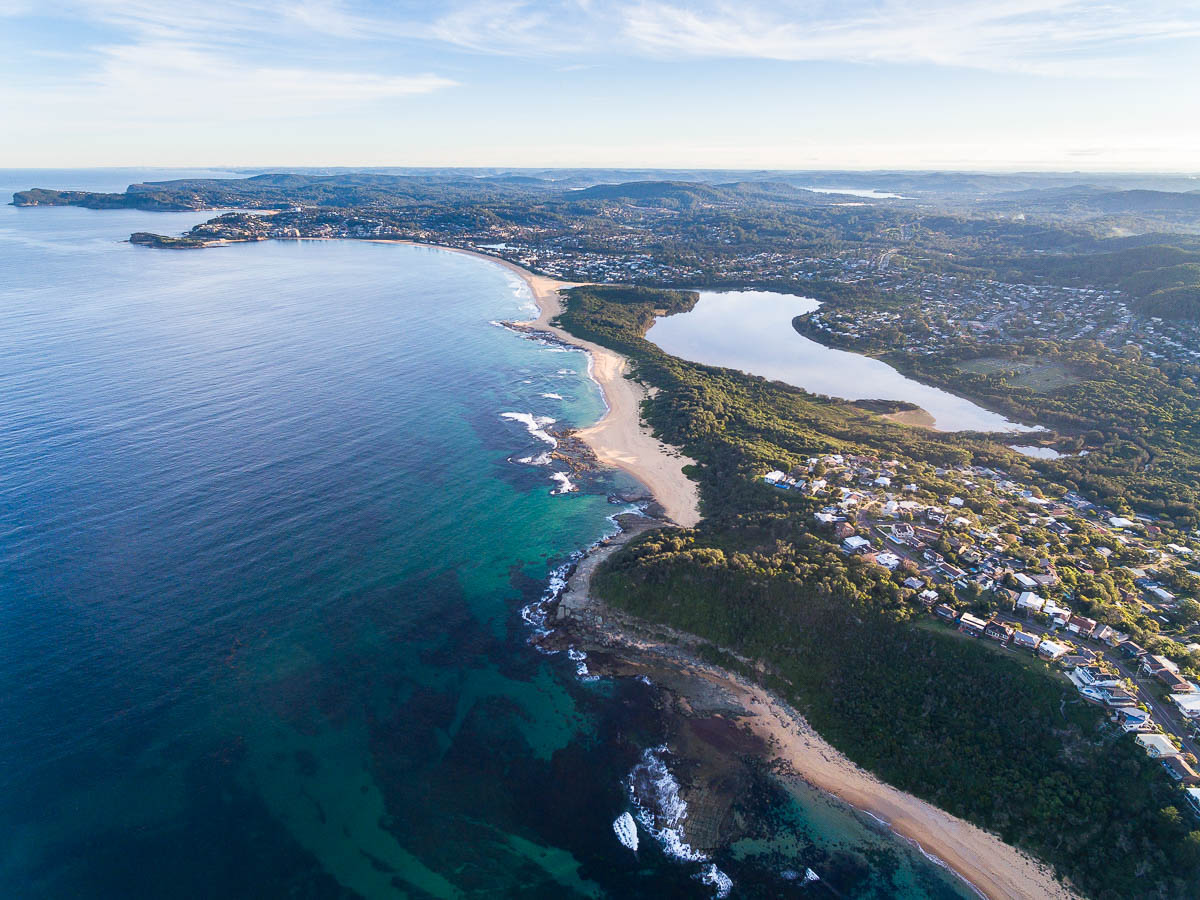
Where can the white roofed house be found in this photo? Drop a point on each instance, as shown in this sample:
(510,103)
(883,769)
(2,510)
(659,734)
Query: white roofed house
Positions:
(1058,614)
(1157,746)
(856,544)
(1188,705)
(972,625)
(1192,796)
(1029,602)
(887,559)
(1051,650)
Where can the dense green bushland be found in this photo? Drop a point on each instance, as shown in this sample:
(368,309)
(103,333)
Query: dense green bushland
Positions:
(983,733)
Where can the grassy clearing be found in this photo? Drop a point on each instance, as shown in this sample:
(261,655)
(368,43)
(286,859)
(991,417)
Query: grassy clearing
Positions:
(1041,377)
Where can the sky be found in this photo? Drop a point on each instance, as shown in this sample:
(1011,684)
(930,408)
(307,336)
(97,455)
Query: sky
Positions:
(784,84)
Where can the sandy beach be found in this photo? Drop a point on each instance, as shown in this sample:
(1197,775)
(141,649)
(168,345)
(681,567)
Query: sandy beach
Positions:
(619,439)
(993,868)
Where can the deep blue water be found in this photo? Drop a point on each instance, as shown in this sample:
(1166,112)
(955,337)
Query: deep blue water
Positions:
(264,539)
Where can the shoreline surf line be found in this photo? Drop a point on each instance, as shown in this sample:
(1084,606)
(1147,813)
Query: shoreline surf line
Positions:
(619,438)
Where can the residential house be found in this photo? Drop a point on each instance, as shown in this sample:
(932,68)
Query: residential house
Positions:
(944,611)
(1180,770)
(998,631)
(953,573)
(1192,797)
(1175,683)
(888,560)
(1130,649)
(1058,614)
(1188,704)
(972,625)
(1081,625)
(1025,641)
(1029,602)
(856,544)
(1157,746)
(1051,650)
(1132,719)
(1153,664)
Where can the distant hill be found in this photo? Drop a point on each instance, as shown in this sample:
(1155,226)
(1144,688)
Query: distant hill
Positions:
(1160,279)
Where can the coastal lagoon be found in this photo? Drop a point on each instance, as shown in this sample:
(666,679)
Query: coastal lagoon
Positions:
(752,331)
(269,514)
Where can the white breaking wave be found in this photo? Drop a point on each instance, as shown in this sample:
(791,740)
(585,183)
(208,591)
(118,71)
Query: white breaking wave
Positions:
(792,875)
(578,657)
(565,485)
(535,425)
(553,396)
(660,809)
(718,879)
(626,830)
(542,459)
(654,793)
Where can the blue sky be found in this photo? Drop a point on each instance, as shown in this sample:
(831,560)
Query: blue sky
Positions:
(1004,84)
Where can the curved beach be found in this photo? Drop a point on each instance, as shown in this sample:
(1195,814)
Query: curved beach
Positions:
(619,438)
(994,869)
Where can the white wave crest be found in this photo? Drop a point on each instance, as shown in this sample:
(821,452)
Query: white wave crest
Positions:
(654,793)
(553,396)
(626,830)
(565,484)
(718,879)
(535,425)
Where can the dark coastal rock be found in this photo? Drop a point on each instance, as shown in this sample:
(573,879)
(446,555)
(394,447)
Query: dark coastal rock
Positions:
(149,239)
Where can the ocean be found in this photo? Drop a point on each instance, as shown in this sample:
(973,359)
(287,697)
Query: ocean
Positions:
(269,514)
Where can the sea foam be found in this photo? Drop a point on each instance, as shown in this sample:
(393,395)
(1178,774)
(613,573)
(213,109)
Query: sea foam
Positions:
(626,831)
(654,794)
(535,425)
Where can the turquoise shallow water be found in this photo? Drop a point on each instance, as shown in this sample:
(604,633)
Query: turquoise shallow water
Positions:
(264,540)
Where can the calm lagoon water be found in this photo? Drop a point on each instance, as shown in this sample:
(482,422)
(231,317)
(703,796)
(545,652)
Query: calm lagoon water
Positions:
(752,331)
(869,193)
(264,540)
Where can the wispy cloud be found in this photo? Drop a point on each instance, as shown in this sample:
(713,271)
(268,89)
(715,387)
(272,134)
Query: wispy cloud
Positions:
(224,60)
(1040,36)
(167,79)
(1083,37)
